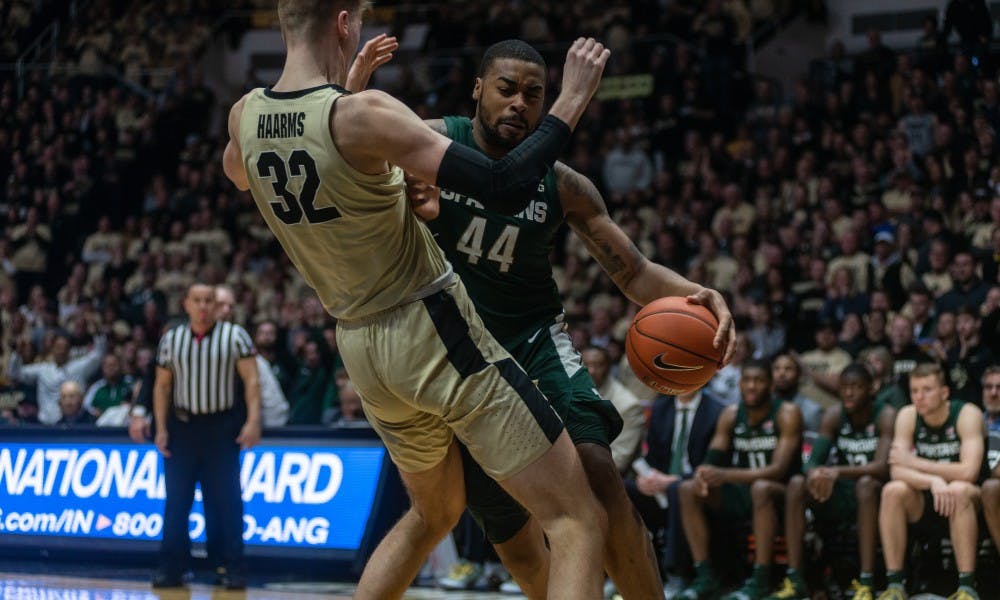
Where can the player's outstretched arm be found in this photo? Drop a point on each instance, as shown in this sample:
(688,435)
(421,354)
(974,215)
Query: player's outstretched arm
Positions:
(232,158)
(375,53)
(639,278)
(372,128)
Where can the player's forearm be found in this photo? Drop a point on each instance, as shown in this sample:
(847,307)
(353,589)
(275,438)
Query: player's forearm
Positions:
(949,471)
(912,477)
(876,470)
(504,185)
(747,476)
(652,281)
(568,108)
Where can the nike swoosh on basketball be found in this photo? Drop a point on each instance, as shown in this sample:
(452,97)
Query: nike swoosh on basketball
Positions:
(531,340)
(659,364)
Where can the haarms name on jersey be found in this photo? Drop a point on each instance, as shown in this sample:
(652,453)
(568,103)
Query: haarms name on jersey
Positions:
(281,125)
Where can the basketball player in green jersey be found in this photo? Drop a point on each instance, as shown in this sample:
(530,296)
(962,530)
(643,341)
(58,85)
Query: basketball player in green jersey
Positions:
(936,462)
(861,431)
(319,163)
(504,262)
(756,447)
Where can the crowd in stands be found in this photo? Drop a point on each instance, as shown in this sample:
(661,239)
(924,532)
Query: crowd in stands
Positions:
(853,212)
(854,217)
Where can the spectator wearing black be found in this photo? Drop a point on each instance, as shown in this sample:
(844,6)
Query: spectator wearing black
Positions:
(967,289)
(974,24)
(843,297)
(889,271)
(968,361)
(200,435)
(71,410)
(920,305)
(267,340)
(906,354)
(878,58)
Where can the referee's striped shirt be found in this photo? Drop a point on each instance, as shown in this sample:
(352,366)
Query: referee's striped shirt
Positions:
(204,368)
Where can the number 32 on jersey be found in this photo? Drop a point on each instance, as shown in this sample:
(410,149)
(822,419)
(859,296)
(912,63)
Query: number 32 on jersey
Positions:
(502,250)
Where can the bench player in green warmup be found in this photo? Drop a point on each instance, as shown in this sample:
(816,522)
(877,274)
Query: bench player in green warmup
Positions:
(861,431)
(937,463)
(504,263)
(757,445)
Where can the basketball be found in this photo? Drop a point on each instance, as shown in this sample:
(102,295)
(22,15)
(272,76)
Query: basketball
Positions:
(669,345)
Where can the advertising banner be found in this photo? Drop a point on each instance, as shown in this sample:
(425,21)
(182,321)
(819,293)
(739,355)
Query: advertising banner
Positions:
(296,496)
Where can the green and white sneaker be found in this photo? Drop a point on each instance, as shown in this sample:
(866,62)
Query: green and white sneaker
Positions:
(704,587)
(753,589)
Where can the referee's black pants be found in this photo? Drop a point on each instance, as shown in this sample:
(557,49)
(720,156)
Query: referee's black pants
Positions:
(203,449)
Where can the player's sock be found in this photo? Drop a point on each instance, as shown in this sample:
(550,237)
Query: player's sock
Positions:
(762,573)
(967,579)
(894,577)
(866,579)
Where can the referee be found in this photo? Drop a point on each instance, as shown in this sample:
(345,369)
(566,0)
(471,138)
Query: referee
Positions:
(200,436)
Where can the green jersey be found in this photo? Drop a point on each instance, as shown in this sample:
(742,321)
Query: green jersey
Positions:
(502,260)
(856,445)
(940,444)
(753,445)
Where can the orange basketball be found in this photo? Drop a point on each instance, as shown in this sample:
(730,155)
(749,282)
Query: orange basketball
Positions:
(669,345)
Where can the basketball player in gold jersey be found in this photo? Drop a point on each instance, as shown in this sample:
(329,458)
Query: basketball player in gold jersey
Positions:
(323,167)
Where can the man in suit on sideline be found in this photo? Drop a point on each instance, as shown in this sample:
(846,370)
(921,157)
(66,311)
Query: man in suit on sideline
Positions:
(684,422)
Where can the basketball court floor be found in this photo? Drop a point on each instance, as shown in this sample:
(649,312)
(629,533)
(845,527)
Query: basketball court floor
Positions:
(22,586)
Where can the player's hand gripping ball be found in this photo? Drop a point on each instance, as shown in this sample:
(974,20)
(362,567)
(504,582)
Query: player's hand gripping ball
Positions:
(669,345)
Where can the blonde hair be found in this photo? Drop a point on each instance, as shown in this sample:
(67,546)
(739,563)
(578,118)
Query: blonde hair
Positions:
(928,370)
(302,17)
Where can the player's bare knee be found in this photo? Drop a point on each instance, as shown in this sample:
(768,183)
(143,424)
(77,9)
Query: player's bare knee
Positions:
(894,494)
(796,487)
(440,515)
(991,492)
(762,492)
(602,475)
(867,489)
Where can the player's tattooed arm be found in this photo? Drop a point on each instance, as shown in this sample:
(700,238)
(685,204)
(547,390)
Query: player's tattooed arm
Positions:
(588,216)
(641,280)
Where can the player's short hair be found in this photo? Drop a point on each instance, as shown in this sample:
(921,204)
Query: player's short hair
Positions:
(757,363)
(858,370)
(515,49)
(302,16)
(928,369)
(991,370)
